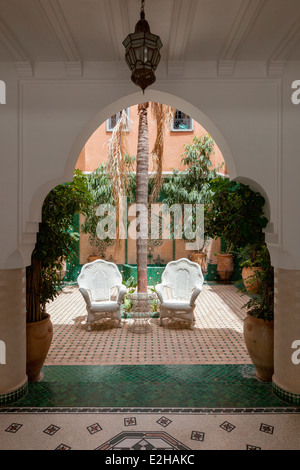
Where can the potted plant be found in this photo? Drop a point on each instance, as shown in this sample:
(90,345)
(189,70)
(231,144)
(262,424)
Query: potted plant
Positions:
(199,256)
(235,214)
(225,265)
(56,242)
(253,260)
(259,326)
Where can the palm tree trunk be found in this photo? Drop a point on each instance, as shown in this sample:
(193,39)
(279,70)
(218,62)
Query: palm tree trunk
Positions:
(142,196)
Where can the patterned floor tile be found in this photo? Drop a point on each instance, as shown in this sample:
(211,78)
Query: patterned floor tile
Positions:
(14,427)
(197,436)
(63,447)
(163,421)
(250,447)
(93,428)
(130,421)
(227,426)
(217,337)
(51,430)
(186,431)
(266,428)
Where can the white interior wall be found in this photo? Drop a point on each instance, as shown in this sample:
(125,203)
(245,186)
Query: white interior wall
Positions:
(46,122)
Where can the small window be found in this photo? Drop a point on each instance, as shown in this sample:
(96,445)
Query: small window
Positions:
(182,122)
(112,121)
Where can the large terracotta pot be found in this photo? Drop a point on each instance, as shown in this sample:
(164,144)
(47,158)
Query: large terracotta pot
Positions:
(259,339)
(199,258)
(39,336)
(224,266)
(251,283)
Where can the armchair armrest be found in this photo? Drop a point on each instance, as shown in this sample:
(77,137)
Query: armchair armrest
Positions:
(121,293)
(194,295)
(86,296)
(159,289)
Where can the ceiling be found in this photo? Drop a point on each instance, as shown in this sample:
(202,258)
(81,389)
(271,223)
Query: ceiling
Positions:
(77,31)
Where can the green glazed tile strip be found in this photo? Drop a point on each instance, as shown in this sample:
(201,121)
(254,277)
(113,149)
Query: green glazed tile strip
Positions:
(287,397)
(195,386)
(11,397)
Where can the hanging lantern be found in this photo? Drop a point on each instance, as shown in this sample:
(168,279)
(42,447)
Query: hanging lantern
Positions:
(142,53)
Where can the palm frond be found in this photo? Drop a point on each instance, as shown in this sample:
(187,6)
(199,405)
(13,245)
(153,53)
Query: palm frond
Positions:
(116,166)
(163,115)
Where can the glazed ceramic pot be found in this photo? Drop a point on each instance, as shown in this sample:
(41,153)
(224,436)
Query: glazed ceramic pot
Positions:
(259,339)
(38,336)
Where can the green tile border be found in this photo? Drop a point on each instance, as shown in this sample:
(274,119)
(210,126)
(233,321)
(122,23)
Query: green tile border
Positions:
(155,386)
(284,395)
(11,397)
(147,410)
(230,387)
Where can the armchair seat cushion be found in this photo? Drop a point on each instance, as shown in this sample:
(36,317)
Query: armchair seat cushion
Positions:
(104,306)
(176,305)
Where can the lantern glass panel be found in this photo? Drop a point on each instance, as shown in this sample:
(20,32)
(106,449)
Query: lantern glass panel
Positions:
(156,58)
(149,54)
(138,53)
(151,43)
(126,41)
(132,56)
(139,36)
(139,65)
(137,41)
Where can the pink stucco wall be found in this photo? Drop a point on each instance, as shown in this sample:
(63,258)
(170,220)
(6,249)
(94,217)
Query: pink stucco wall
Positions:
(95,150)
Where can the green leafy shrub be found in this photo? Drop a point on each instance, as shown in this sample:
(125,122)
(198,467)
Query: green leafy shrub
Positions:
(235,214)
(56,241)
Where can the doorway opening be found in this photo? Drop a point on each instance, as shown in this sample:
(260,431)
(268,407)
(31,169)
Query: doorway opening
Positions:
(216,341)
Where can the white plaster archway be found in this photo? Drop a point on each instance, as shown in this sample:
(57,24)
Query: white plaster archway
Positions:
(159,97)
(105,113)
(124,102)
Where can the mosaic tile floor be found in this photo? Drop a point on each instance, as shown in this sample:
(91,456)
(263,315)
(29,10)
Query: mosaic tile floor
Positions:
(225,386)
(217,337)
(173,388)
(154,431)
(159,406)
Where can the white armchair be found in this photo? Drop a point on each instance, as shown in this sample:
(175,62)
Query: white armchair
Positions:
(182,282)
(96,282)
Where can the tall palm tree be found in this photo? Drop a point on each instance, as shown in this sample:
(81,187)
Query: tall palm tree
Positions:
(117,148)
(142,164)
